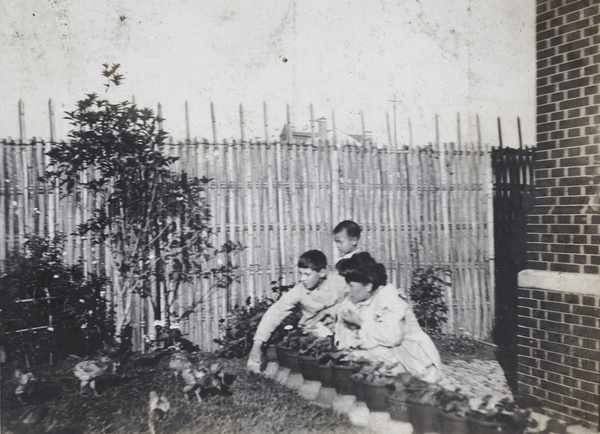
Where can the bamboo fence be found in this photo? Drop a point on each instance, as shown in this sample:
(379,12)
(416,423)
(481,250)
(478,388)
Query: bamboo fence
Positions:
(418,206)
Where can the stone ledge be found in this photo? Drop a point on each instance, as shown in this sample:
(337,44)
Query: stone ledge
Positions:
(583,284)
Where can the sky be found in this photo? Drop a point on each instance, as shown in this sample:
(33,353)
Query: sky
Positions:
(435,58)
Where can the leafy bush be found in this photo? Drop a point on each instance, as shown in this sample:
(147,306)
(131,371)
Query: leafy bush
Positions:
(238,330)
(39,290)
(427,292)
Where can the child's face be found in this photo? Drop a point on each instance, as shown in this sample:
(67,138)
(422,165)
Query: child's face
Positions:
(344,243)
(311,278)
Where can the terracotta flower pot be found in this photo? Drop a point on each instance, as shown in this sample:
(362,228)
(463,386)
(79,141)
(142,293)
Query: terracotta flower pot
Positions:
(424,418)
(342,377)
(398,408)
(325,375)
(375,396)
(451,423)
(308,367)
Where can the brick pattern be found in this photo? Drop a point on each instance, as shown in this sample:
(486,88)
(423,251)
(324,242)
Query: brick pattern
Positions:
(563,231)
(559,353)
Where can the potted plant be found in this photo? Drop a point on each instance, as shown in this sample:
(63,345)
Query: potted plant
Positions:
(496,414)
(422,406)
(324,358)
(371,384)
(342,369)
(453,409)
(288,348)
(396,400)
(307,357)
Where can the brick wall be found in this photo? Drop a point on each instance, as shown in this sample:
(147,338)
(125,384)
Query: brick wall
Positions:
(559,293)
(559,349)
(563,231)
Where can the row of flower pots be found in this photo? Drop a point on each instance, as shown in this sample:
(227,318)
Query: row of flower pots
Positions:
(427,407)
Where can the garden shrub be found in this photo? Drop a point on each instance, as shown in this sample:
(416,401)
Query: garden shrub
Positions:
(39,289)
(427,292)
(239,328)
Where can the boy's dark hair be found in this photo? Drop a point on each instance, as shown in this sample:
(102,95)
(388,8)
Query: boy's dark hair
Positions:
(313,259)
(352,229)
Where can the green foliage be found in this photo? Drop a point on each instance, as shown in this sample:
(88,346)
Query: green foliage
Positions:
(238,329)
(375,374)
(427,292)
(155,221)
(314,346)
(39,289)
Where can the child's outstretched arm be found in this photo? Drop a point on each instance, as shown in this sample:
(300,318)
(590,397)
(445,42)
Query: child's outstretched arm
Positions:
(269,322)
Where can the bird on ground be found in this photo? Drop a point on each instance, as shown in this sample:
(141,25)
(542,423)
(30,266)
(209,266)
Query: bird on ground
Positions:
(26,385)
(87,371)
(157,410)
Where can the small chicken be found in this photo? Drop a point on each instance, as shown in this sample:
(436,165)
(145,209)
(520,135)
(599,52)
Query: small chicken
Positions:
(194,378)
(88,370)
(157,410)
(178,362)
(26,385)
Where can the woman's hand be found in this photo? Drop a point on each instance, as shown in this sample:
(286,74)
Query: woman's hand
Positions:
(351,318)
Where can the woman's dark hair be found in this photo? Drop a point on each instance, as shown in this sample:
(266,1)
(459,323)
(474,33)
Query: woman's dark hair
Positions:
(313,259)
(362,268)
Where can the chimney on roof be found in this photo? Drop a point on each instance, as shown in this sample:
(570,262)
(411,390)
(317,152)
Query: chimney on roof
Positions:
(322,128)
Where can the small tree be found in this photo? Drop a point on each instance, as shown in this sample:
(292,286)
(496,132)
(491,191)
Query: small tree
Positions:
(156,222)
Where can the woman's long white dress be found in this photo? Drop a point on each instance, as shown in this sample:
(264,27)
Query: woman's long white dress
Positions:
(389,334)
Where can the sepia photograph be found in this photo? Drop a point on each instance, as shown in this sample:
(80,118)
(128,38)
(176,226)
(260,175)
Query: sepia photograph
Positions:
(300,216)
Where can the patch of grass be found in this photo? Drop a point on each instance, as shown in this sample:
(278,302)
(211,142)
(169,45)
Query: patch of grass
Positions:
(256,404)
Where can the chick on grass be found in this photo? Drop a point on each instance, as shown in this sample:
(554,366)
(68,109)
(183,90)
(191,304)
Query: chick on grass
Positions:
(26,385)
(87,371)
(157,411)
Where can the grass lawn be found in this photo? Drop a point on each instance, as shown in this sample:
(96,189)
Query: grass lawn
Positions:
(255,404)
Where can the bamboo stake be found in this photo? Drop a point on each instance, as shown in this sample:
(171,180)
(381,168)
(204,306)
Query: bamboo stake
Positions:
(499,133)
(335,179)
(280,207)
(213,122)
(458,135)
(22,134)
(242,124)
(445,192)
(3,199)
(489,195)
(289,125)
(266,118)
(387,118)
(250,197)
(312,125)
(52,120)
(159,114)
(187,122)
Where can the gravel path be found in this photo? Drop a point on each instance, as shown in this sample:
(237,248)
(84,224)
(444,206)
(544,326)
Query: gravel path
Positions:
(477,378)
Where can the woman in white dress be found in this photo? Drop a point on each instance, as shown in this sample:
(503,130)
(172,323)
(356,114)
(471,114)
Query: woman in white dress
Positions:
(375,323)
